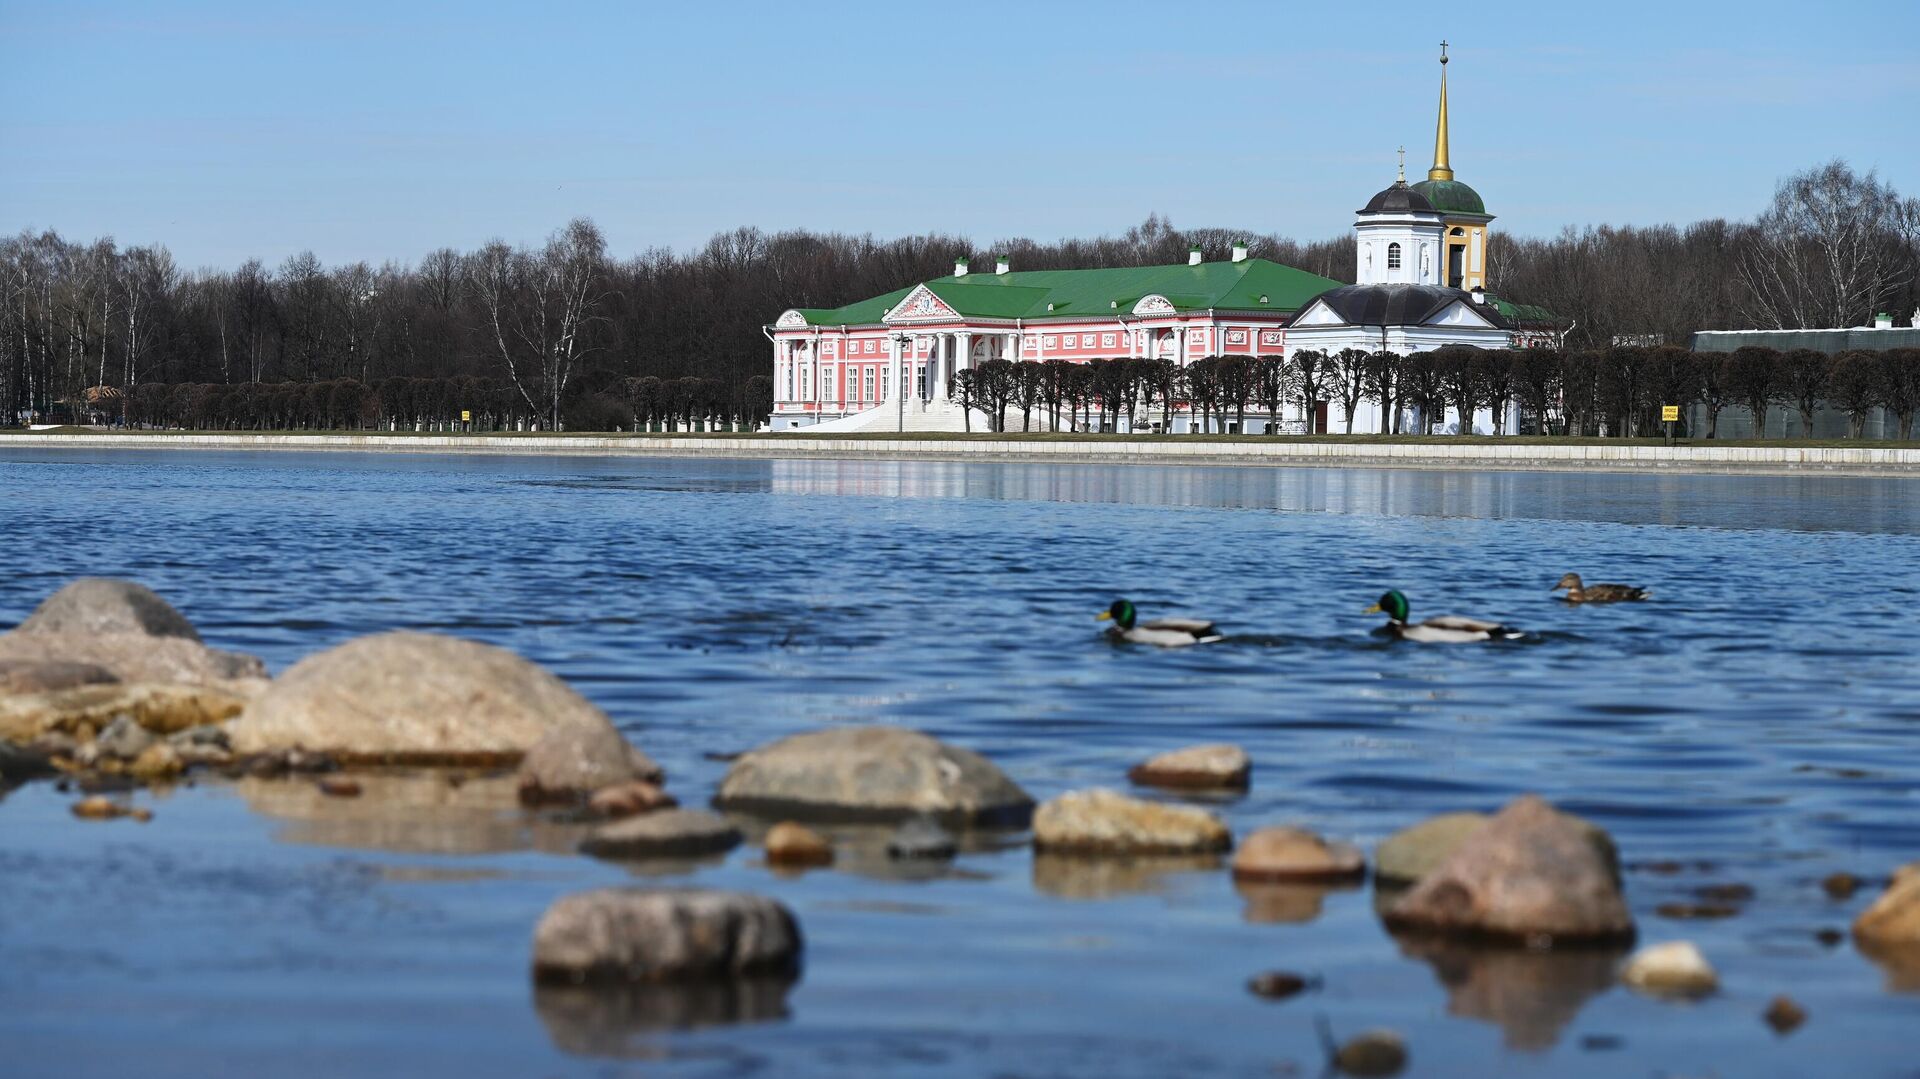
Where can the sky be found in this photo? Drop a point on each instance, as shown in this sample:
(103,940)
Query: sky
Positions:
(237,129)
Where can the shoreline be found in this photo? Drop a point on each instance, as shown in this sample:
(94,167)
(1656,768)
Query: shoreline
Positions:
(1333,453)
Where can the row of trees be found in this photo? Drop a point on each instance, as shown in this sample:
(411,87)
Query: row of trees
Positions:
(1833,248)
(1576,391)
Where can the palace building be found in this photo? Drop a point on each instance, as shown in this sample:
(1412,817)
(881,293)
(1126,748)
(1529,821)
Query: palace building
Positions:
(885,364)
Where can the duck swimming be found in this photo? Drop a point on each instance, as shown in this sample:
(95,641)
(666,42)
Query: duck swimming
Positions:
(1598,593)
(1444,629)
(1164,632)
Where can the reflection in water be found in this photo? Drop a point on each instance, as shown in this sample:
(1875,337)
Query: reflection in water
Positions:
(1531,996)
(1285,904)
(1071,876)
(418,812)
(612,1021)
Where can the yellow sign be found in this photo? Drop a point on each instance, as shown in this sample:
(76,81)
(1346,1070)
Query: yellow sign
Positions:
(1669,413)
(465,415)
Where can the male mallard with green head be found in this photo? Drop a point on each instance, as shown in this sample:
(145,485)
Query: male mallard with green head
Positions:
(1445,629)
(1165,632)
(1598,593)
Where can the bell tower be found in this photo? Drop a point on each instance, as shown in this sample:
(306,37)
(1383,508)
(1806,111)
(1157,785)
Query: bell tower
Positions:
(1465,217)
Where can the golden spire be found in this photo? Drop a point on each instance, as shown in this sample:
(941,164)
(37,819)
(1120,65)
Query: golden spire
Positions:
(1441,169)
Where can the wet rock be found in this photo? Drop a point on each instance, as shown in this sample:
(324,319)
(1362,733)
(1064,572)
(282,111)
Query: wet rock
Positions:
(1840,885)
(1206,767)
(413,698)
(45,676)
(96,605)
(1675,968)
(626,799)
(570,764)
(123,738)
(205,735)
(1784,1015)
(135,657)
(1725,893)
(921,838)
(155,707)
(1374,1053)
(339,787)
(793,844)
(1411,853)
(1277,985)
(666,833)
(1106,822)
(158,762)
(20,763)
(872,773)
(1696,911)
(99,808)
(1531,874)
(1293,854)
(623,935)
(1894,918)
(1829,937)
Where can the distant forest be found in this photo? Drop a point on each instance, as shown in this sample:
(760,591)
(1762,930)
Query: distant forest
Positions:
(538,334)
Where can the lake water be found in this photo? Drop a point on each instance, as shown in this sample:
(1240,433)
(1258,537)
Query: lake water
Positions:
(1755,724)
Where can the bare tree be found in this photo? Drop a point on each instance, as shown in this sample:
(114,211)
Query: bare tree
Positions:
(1832,247)
(538,307)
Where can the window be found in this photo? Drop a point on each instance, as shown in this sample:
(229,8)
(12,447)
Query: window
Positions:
(886,378)
(868,385)
(1106,340)
(1393,256)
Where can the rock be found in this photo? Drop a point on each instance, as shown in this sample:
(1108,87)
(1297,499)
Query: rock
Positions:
(413,698)
(1291,854)
(667,833)
(570,764)
(657,935)
(1829,937)
(338,787)
(921,837)
(1276,985)
(158,761)
(1374,1053)
(1696,911)
(1107,822)
(98,808)
(135,657)
(205,735)
(95,605)
(21,763)
(626,799)
(1676,969)
(1840,885)
(872,773)
(793,844)
(1411,853)
(1784,1015)
(43,676)
(1894,918)
(1725,893)
(1531,874)
(1206,767)
(123,738)
(155,707)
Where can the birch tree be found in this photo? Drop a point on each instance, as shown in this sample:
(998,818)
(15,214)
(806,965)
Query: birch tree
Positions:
(1832,247)
(538,308)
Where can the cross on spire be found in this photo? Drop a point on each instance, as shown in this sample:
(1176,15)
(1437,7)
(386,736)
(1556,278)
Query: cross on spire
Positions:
(1443,52)
(1403,164)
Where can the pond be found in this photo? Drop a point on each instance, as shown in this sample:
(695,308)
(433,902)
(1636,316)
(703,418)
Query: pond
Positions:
(1754,725)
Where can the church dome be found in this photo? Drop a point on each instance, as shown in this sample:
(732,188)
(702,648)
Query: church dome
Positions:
(1400,199)
(1450,197)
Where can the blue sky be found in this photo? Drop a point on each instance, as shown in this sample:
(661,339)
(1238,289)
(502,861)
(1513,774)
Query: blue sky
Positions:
(384,130)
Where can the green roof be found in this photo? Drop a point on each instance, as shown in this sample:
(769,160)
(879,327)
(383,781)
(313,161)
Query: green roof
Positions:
(1077,294)
(1523,313)
(1451,197)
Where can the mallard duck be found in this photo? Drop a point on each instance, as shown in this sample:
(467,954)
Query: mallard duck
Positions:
(1446,629)
(1165,632)
(1598,593)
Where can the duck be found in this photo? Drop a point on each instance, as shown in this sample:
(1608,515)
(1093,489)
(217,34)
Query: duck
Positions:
(1164,632)
(1445,629)
(1598,593)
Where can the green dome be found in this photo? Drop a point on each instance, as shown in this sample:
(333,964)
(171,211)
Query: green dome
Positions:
(1451,196)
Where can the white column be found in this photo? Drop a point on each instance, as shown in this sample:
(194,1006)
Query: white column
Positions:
(1183,346)
(896,396)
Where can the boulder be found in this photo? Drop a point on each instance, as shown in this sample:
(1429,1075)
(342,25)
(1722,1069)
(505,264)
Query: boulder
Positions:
(662,935)
(123,738)
(158,761)
(625,799)
(95,605)
(1894,918)
(1293,854)
(1784,1015)
(571,763)
(665,833)
(133,657)
(1411,853)
(921,838)
(413,698)
(1531,874)
(1208,767)
(872,773)
(1107,822)
(1673,969)
(45,675)
(1373,1053)
(159,708)
(790,843)
(20,763)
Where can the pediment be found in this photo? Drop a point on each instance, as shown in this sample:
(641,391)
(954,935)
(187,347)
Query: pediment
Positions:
(921,305)
(1319,313)
(1154,305)
(1460,313)
(791,320)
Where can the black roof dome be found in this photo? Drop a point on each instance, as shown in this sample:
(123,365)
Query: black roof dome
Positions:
(1401,304)
(1399,198)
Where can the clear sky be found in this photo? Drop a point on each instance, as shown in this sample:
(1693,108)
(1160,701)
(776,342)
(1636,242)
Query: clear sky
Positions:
(371,131)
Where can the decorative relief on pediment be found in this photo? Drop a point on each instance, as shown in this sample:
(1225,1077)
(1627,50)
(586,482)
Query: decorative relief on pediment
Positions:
(792,320)
(921,305)
(1153,305)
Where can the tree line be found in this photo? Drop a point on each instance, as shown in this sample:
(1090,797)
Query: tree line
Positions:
(1575,392)
(78,319)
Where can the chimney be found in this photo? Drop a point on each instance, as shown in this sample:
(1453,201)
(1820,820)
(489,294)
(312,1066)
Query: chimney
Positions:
(1240,251)
(1479,294)
(1883,321)
(1003,264)
(1193,256)
(959,267)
